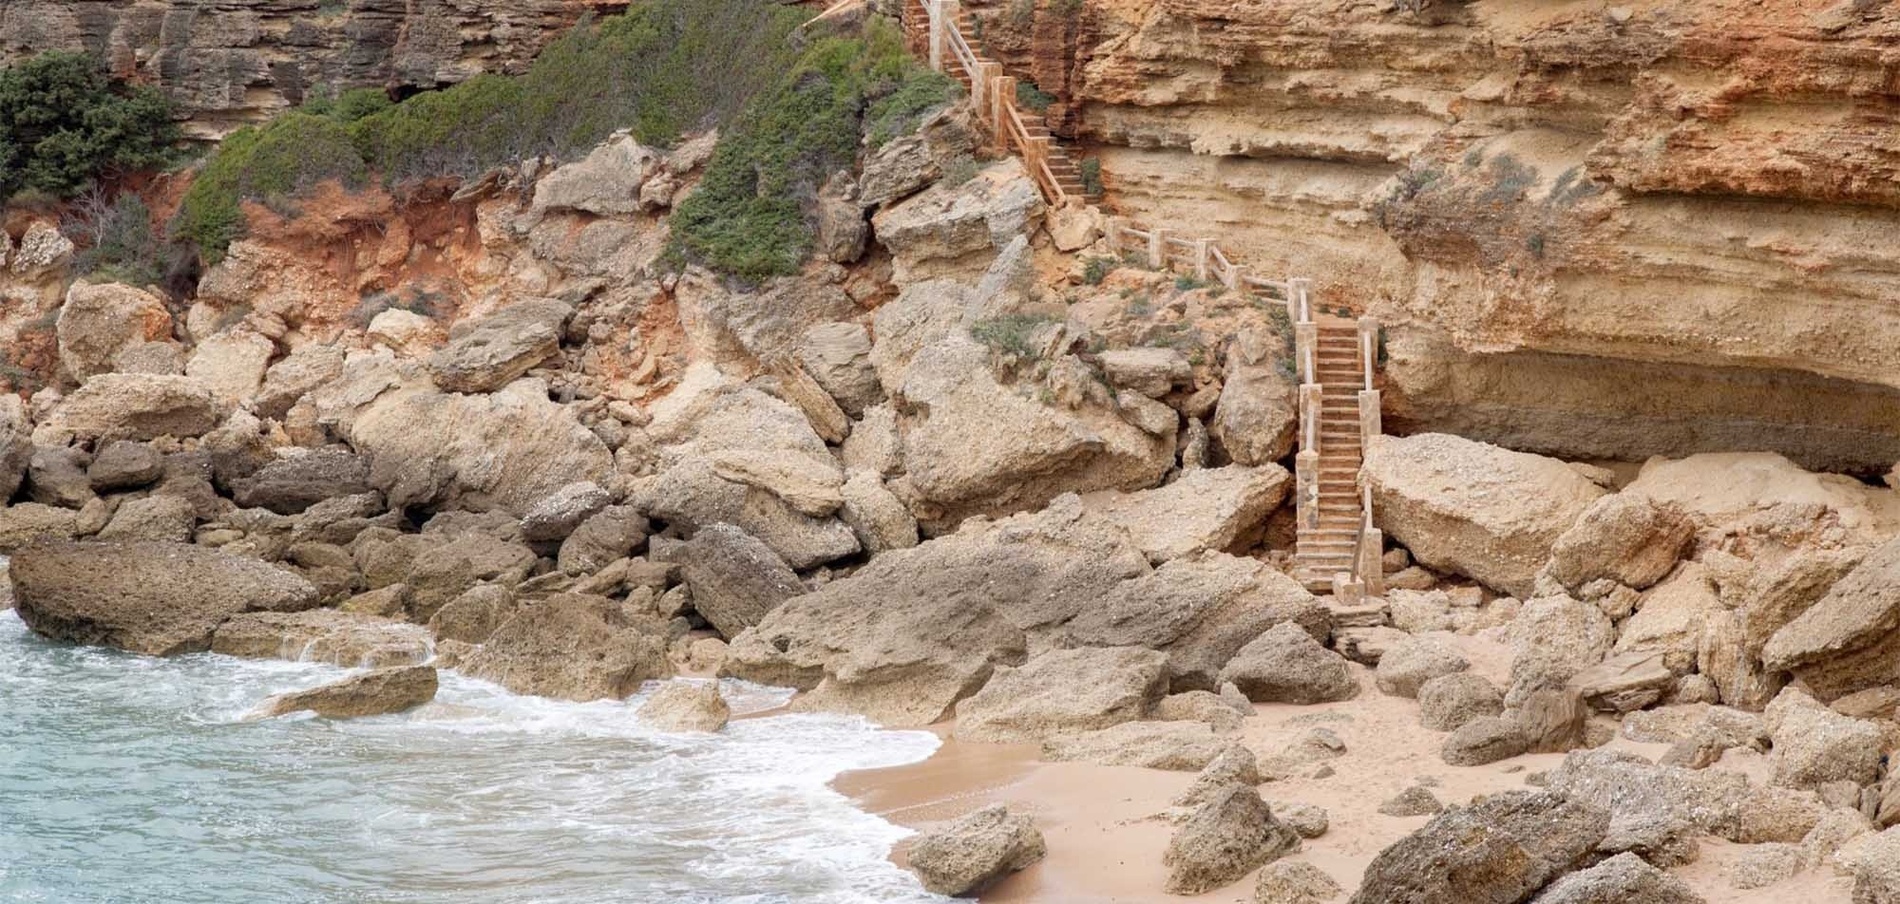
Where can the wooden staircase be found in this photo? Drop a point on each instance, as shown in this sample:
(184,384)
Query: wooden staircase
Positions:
(1334,519)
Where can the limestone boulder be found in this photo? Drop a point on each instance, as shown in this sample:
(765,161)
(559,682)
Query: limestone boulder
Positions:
(507,450)
(56,475)
(1229,836)
(1405,668)
(16,445)
(959,226)
(138,407)
(1562,630)
(296,375)
(1875,862)
(1636,792)
(1447,702)
(1216,509)
(1175,746)
(606,182)
(747,330)
(1152,372)
(1201,611)
(124,465)
(1630,539)
(29,523)
(974,852)
(1625,682)
(152,598)
(232,363)
(1255,416)
(439,567)
(469,618)
(1294,882)
(488,353)
(1063,691)
(838,357)
(1622,879)
(555,516)
(1846,641)
(1474,509)
(1484,740)
(347,639)
(683,706)
(1501,849)
(607,536)
(875,514)
(373,693)
(167,518)
(1286,665)
(98,320)
(1814,745)
(1672,618)
(907,165)
(736,580)
(571,647)
(296,479)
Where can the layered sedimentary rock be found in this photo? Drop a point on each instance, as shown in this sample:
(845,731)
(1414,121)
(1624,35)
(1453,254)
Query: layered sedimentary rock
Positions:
(229,62)
(1647,229)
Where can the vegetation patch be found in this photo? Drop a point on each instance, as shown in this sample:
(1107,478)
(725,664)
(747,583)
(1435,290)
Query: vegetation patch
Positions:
(118,241)
(64,124)
(1012,334)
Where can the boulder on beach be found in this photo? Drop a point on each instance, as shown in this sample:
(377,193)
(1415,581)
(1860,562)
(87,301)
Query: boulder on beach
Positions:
(1622,879)
(1294,882)
(1063,691)
(681,706)
(1174,746)
(965,857)
(372,693)
(348,639)
(1500,849)
(146,597)
(1227,837)
(1286,665)
(571,647)
(1846,641)
(736,579)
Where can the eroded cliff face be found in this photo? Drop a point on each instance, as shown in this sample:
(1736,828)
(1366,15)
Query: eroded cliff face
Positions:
(230,62)
(1600,230)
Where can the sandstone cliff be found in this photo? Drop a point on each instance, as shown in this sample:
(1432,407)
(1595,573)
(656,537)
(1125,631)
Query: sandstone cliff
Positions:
(230,62)
(1595,230)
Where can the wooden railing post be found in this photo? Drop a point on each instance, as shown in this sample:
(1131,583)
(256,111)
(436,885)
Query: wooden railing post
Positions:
(1368,347)
(1112,231)
(1200,259)
(1236,277)
(1158,248)
(1306,345)
(939,31)
(1003,92)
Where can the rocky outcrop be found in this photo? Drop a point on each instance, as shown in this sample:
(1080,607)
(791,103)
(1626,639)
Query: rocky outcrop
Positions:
(373,693)
(152,598)
(1502,848)
(974,852)
(1205,509)
(1063,691)
(1286,665)
(1845,643)
(572,647)
(348,639)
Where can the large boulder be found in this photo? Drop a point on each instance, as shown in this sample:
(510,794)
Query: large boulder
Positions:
(1409,664)
(1630,539)
(555,516)
(974,852)
(1063,691)
(486,354)
(152,598)
(56,475)
(1229,836)
(1875,862)
(16,445)
(232,363)
(1622,879)
(124,465)
(1255,416)
(139,407)
(571,647)
(1286,665)
(372,693)
(1180,746)
(682,706)
(1294,882)
(299,373)
(1672,800)
(151,518)
(736,580)
(951,227)
(1200,611)
(606,182)
(1447,702)
(744,331)
(1672,619)
(1846,641)
(1474,509)
(1497,851)
(507,450)
(348,639)
(99,320)
(838,357)
(613,533)
(31,522)
(298,478)
(1205,509)
(1814,745)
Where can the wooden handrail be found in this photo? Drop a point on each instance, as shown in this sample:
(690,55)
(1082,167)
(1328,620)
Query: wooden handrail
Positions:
(993,96)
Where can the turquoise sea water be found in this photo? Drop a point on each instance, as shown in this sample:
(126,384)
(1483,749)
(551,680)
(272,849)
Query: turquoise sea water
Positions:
(133,779)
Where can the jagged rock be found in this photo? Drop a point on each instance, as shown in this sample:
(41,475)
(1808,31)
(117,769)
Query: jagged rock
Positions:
(152,598)
(606,182)
(1447,702)
(471,617)
(30,522)
(406,333)
(841,228)
(1201,611)
(736,580)
(976,851)
(442,569)
(1563,630)
(1552,719)
(159,518)
(1500,849)
(505,450)
(1740,679)
(681,706)
(1875,863)
(1672,620)
(1474,509)
(1484,740)
(838,357)
(1294,882)
(1254,419)
(910,163)
(1414,801)
(1625,682)
(1234,766)
(124,465)
(99,320)
(1629,539)
(876,515)
(138,407)
(1205,509)
(1177,746)
(347,639)
(299,373)
(383,602)
(1230,835)
(558,514)
(232,363)
(1063,691)
(56,475)
(1073,227)
(1153,372)
(1405,668)
(1814,745)
(746,331)
(486,354)
(609,535)
(1887,802)
(1845,642)
(373,693)
(1286,665)
(1366,646)
(297,479)
(1709,801)
(16,445)
(571,647)
(1309,821)
(809,485)
(950,226)
(1622,879)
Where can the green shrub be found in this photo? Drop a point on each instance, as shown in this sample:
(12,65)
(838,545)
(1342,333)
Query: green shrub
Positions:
(1091,172)
(919,92)
(348,106)
(63,124)
(1031,97)
(117,240)
(1096,269)
(1012,334)
(291,155)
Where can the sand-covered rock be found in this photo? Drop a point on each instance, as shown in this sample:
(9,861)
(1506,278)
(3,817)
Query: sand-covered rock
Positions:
(1176,746)
(1063,691)
(373,693)
(1225,838)
(1500,849)
(1845,642)
(974,852)
(1814,745)
(572,647)
(680,706)
(1474,509)
(1294,882)
(1405,668)
(1447,702)
(1286,665)
(153,598)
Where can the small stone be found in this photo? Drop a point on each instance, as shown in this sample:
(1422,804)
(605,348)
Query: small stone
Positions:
(1294,882)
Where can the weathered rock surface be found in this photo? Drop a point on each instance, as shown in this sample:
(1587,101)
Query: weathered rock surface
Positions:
(686,706)
(1475,509)
(1286,665)
(555,516)
(736,580)
(1205,509)
(1622,879)
(486,354)
(1405,668)
(571,647)
(374,693)
(1498,850)
(1177,746)
(1814,745)
(348,639)
(297,479)
(138,407)
(974,852)
(1227,837)
(124,465)
(1629,539)
(1845,642)
(1063,691)
(98,320)
(152,598)
(1447,702)
(947,227)
(1294,882)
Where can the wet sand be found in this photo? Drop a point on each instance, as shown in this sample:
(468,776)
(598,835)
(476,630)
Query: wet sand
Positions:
(1106,834)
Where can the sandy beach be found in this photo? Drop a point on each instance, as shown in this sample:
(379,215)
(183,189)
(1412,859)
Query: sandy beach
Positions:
(1106,827)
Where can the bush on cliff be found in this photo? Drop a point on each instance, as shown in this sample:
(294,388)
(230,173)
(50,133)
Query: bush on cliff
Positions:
(272,164)
(64,124)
